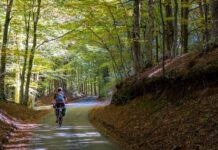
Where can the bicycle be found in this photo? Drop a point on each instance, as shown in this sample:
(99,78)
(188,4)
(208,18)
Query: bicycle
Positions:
(60,116)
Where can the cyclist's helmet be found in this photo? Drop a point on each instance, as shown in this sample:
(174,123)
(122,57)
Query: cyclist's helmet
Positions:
(60,89)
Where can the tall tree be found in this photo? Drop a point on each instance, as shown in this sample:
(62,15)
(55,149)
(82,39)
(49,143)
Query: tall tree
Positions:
(204,12)
(136,37)
(206,20)
(149,32)
(184,25)
(163,36)
(27,16)
(214,19)
(32,52)
(175,24)
(4,48)
(169,29)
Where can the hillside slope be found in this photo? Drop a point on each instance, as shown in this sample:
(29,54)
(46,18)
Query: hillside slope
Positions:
(13,119)
(184,76)
(178,111)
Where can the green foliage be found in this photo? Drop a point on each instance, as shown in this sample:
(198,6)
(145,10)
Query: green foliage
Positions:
(83,45)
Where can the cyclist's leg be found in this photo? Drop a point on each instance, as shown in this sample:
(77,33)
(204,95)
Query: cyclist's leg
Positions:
(64,109)
(56,111)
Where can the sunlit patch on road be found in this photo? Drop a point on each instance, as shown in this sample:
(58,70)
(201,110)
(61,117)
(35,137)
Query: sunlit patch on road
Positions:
(87,134)
(71,136)
(16,146)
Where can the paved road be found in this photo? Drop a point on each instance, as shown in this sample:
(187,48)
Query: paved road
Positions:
(77,133)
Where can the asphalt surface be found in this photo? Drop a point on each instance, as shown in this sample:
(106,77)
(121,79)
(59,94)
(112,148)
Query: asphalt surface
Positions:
(76,133)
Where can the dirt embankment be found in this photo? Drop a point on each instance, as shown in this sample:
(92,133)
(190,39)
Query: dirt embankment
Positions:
(177,112)
(144,124)
(184,75)
(16,121)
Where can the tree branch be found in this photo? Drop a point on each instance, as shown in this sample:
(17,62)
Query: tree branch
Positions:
(56,38)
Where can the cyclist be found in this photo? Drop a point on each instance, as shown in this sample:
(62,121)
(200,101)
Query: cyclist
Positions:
(59,101)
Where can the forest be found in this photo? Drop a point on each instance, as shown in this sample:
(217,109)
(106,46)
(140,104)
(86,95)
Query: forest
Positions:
(88,46)
(164,50)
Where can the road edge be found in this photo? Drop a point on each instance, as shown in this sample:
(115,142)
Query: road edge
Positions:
(106,130)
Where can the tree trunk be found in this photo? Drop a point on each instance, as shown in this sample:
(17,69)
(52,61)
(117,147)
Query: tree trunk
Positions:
(99,88)
(35,25)
(206,31)
(163,37)
(83,87)
(136,38)
(22,76)
(95,88)
(169,29)
(157,48)
(184,25)
(204,11)
(149,34)
(86,88)
(176,8)
(201,10)
(214,19)
(4,49)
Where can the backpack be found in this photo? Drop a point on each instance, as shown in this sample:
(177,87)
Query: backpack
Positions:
(60,98)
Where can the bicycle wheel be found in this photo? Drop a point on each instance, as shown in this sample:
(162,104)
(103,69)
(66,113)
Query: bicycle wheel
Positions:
(60,122)
(60,118)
